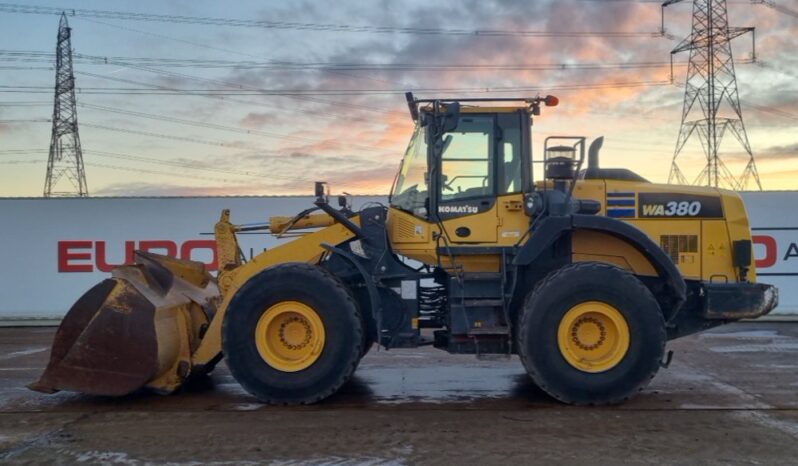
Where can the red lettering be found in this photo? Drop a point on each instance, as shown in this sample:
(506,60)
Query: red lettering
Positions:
(189,246)
(66,257)
(771,251)
(70,259)
(168,248)
(101,260)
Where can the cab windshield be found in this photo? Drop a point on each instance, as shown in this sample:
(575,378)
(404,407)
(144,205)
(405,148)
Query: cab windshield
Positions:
(410,190)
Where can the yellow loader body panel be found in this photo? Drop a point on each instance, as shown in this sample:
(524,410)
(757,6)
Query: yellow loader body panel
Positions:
(308,248)
(700,247)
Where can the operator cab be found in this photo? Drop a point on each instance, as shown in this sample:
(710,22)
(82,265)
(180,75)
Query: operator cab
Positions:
(485,152)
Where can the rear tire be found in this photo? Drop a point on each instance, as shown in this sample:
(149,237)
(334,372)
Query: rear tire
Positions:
(292,334)
(591,333)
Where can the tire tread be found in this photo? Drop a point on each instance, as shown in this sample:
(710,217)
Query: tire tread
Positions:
(344,376)
(524,349)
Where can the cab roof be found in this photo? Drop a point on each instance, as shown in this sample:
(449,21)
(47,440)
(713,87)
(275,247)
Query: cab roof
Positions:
(471,105)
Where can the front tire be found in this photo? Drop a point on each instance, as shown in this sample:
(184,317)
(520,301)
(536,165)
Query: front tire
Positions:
(591,333)
(292,334)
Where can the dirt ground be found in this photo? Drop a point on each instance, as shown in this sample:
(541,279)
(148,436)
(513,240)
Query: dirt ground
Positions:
(730,397)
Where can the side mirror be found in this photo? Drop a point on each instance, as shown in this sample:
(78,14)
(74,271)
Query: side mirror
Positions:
(319,191)
(451,117)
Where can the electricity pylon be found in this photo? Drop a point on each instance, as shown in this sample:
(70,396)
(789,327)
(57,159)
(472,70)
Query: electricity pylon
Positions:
(65,174)
(712,85)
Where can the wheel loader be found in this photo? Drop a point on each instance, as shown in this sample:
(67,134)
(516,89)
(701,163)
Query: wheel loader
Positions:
(583,272)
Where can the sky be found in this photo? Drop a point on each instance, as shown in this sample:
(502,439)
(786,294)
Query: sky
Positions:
(220,139)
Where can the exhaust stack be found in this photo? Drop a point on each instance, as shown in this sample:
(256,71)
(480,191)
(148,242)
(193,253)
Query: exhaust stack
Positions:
(593,157)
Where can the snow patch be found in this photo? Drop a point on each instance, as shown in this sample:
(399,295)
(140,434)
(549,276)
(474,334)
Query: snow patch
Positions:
(741,398)
(766,420)
(105,457)
(23,353)
(754,334)
(246,406)
(340,461)
(771,348)
(232,388)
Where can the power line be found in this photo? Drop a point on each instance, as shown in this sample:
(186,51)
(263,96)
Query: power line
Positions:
(213,47)
(31,120)
(209,125)
(248,102)
(305,94)
(660,2)
(156,172)
(131,169)
(316,66)
(25,104)
(25,68)
(235,84)
(178,164)
(237,52)
(137,158)
(227,99)
(768,66)
(202,124)
(244,86)
(199,124)
(339,92)
(22,151)
(159,135)
(172,137)
(200,166)
(773,111)
(170,163)
(183,165)
(775,6)
(302,26)
(116,167)
(20,162)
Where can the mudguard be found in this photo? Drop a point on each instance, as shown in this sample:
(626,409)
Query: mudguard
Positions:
(553,228)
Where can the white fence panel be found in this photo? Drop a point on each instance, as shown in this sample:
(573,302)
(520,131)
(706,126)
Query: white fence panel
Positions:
(55,249)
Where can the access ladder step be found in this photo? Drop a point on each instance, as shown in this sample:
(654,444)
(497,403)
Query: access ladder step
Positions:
(483,302)
(496,276)
(500,330)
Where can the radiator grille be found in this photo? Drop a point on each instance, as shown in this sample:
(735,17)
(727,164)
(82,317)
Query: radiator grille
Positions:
(673,245)
(405,230)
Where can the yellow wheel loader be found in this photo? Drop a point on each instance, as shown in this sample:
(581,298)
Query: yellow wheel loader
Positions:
(583,272)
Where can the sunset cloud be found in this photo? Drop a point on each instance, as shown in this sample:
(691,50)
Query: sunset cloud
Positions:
(356,141)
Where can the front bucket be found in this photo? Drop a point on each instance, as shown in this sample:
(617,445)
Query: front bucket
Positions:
(133,330)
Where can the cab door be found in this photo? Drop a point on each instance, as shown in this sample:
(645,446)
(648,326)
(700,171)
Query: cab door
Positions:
(467,197)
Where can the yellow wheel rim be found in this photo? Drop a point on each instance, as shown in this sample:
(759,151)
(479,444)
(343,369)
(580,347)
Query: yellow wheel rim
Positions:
(593,336)
(290,336)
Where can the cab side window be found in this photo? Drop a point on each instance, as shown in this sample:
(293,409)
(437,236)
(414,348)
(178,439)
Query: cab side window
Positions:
(511,165)
(467,161)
